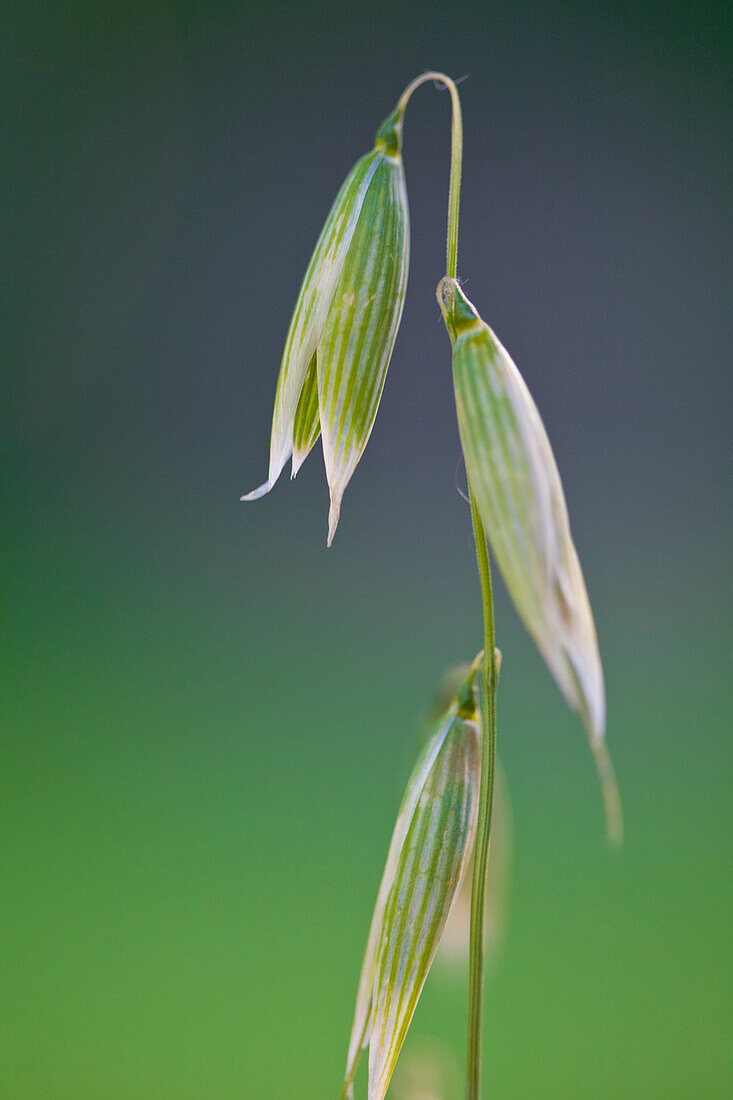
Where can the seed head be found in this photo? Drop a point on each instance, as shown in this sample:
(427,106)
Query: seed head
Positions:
(345,323)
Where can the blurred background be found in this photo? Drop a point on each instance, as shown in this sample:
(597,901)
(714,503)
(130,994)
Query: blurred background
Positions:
(207,718)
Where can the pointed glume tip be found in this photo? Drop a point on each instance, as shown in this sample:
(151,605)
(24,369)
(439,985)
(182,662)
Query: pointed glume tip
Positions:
(333,519)
(258,492)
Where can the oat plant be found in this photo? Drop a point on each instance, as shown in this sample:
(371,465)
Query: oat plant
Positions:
(336,356)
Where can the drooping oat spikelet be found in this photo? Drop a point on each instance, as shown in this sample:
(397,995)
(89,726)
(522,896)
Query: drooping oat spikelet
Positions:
(427,856)
(345,322)
(514,479)
(314,300)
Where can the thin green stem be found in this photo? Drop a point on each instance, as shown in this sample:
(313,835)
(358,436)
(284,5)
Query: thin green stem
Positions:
(489,670)
(489,674)
(456,158)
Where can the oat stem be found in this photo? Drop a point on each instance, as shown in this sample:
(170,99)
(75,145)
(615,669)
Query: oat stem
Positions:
(489,668)
(456,157)
(483,828)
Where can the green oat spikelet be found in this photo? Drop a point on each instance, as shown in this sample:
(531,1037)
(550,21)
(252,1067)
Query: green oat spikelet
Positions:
(514,478)
(345,322)
(430,846)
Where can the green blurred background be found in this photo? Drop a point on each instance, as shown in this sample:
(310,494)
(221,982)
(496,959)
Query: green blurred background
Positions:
(207,719)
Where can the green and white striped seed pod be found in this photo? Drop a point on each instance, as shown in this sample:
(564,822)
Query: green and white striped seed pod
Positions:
(430,846)
(514,479)
(345,322)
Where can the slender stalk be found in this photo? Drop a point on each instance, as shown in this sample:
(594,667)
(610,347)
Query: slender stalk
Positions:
(483,828)
(456,158)
(489,666)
